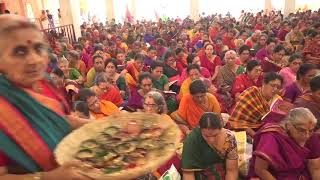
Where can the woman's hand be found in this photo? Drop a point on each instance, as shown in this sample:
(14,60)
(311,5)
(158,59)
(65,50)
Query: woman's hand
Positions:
(76,122)
(67,171)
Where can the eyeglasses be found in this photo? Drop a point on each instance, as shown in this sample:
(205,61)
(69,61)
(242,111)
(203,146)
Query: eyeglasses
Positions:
(303,131)
(153,106)
(146,85)
(275,86)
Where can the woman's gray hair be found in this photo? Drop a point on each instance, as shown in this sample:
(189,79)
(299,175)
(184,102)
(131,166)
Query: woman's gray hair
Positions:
(300,115)
(158,99)
(230,52)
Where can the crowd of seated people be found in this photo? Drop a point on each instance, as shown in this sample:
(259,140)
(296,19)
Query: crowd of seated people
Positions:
(192,72)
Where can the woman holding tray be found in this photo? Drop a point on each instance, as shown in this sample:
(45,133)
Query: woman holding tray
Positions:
(31,111)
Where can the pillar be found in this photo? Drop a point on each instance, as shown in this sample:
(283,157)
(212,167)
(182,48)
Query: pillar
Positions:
(70,14)
(267,6)
(289,7)
(133,9)
(194,9)
(110,10)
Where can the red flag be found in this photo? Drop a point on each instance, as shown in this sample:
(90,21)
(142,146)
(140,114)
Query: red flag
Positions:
(129,17)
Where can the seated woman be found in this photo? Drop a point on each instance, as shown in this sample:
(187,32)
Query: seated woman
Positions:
(133,71)
(69,73)
(255,102)
(312,100)
(252,77)
(193,74)
(161,81)
(32,113)
(194,59)
(67,89)
(302,84)
(98,108)
(170,70)
(135,101)
(193,105)
(98,67)
(210,151)
(226,76)
(313,144)
(286,160)
(275,62)
(289,73)
(117,80)
(81,109)
(75,62)
(105,90)
(244,57)
(211,61)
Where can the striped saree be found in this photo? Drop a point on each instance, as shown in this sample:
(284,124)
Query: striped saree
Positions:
(249,110)
(30,131)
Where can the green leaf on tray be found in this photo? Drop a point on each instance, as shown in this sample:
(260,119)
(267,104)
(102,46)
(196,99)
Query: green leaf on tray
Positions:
(111,170)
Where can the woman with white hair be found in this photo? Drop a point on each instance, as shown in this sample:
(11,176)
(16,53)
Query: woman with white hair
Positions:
(226,76)
(279,150)
(154,102)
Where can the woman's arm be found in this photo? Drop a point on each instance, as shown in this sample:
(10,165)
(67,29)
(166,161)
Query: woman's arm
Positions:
(261,169)
(232,169)
(188,175)
(66,172)
(314,168)
(76,122)
(166,87)
(216,71)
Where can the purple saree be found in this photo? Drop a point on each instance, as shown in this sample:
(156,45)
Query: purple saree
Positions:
(287,160)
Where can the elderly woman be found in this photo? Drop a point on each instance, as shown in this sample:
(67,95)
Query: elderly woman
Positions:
(29,135)
(289,73)
(210,151)
(252,77)
(255,102)
(287,158)
(228,72)
(302,84)
(69,73)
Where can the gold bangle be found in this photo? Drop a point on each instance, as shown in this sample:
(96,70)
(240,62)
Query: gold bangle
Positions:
(37,176)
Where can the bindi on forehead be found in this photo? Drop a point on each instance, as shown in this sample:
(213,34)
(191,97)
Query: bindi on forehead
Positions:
(29,42)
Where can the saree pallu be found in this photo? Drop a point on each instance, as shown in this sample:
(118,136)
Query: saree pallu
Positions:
(243,82)
(191,112)
(307,101)
(30,130)
(313,48)
(286,159)
(107,108)
(249,110)
(206,63)
(113,95)
(200,158)
(269,66)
